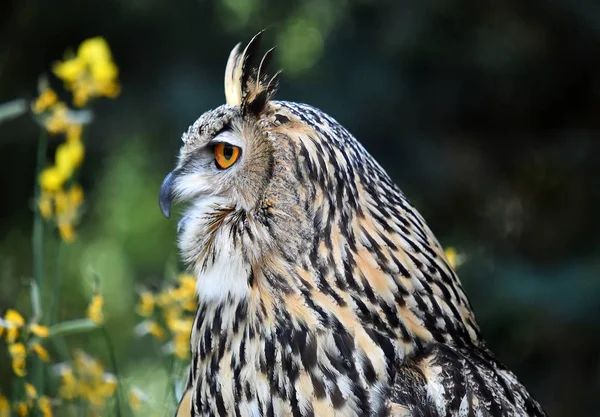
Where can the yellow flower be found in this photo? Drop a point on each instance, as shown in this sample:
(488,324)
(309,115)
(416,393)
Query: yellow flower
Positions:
(136,397)
(45,205)
(165,298)
(187,292)
(4,406)
(63,161)
(176,305)
(18,353)
(183,296)
(74,132)
(39,330)
(69,156)
(67,202)
(150,327)
(31,391)
(179,325)
(59,118)
(181,346)
(58,121)
(146,305)
(66,205)
(40,351)
(82,94)
(67,232)
(61,202)
(68,383)
(171,315)
(87,380)
(94,311)
(45,406)
(107,386)
(52,179)
(21,409)
(91,73)
(47,99)
(76,195)
(109,89)
(451,256)
(188,282)
(191,304)
(76,152)
(454,258)
(181,328)
(13,321)
(13,316)
(104,71)
(87,366)
(70,69)
(94,50)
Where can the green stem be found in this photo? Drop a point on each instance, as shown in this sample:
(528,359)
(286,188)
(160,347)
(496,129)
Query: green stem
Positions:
(38,222)
(113,360)
(172,381)
(57,284)
(38,248)
(60,346)
(82,408)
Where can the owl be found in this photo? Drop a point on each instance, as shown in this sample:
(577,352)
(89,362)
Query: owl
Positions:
(321,289)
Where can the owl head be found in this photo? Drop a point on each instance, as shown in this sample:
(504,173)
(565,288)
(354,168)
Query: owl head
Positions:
(268,183)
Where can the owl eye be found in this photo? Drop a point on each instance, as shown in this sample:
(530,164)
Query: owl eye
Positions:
(226,155)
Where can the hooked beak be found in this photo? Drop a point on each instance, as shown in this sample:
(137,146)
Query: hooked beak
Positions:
(165,196)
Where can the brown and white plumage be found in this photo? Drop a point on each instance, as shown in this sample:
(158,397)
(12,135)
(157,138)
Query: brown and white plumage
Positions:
(322,291)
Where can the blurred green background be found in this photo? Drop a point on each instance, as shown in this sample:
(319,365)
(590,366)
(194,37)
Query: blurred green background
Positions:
(487,114)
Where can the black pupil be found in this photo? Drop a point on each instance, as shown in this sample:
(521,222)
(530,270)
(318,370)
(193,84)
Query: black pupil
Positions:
(228,151)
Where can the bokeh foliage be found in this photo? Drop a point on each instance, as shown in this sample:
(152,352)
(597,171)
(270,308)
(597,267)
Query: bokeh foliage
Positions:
(485,113)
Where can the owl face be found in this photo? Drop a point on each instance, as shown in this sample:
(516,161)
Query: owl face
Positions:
(222,159)
(245,202)
(264,180)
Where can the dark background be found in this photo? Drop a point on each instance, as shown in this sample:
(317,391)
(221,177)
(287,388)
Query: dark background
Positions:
(486,113)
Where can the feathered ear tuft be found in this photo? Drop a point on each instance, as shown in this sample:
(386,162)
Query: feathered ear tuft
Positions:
(246,82)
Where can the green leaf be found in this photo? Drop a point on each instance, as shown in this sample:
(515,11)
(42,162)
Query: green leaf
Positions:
(13,109)
(36,302)
(72,327)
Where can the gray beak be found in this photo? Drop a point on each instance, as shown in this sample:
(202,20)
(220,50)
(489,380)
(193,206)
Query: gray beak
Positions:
(165,196)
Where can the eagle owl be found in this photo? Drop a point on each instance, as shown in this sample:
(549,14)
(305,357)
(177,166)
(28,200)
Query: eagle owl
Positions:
(322,291)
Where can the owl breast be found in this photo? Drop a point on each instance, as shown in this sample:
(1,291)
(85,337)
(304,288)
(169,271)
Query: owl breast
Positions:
(251,359)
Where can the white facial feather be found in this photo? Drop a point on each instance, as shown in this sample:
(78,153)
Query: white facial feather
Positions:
(191,186)
(226,276)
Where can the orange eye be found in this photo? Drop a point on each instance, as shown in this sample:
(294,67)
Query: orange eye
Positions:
(226,155)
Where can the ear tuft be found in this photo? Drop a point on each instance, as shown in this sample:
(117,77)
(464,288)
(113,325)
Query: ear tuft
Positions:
(246,82)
